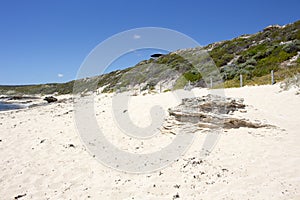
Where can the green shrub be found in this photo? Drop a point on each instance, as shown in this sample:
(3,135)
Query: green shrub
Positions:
(192,76)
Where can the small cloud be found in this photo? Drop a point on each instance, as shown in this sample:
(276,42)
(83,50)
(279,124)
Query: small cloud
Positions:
(60,75)
(136,37)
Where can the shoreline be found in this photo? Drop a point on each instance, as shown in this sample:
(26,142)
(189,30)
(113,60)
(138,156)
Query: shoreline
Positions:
(5,106)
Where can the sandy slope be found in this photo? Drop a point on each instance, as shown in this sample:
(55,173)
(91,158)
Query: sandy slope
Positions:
(41,154)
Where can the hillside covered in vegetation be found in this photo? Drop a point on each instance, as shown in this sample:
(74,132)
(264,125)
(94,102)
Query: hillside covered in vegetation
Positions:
(254,56)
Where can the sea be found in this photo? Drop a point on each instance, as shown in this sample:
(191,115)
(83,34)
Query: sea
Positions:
(6,106)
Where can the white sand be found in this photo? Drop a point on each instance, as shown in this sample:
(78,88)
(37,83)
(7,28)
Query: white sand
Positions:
(36,158)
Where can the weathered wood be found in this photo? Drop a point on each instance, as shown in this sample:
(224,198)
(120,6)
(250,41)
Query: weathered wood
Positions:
(241,80)
(272,77)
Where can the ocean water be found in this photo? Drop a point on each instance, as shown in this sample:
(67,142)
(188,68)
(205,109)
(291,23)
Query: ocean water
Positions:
(5,106)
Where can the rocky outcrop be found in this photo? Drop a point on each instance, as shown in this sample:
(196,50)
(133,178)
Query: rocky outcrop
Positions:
(207,112)
(50,99)
(15,98)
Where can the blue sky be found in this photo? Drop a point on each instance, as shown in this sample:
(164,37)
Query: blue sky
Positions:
(47,41)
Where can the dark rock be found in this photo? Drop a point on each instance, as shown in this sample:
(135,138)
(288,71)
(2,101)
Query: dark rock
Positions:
(50,99)
(15,98)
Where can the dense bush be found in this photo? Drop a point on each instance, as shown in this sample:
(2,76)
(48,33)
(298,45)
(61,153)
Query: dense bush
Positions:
(192,75)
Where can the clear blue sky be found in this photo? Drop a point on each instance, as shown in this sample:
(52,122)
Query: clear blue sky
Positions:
(46,41)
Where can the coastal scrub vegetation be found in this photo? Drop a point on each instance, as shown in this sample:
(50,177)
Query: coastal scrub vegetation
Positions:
(254,56)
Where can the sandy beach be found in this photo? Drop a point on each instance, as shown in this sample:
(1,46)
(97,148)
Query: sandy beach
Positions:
(42,156)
